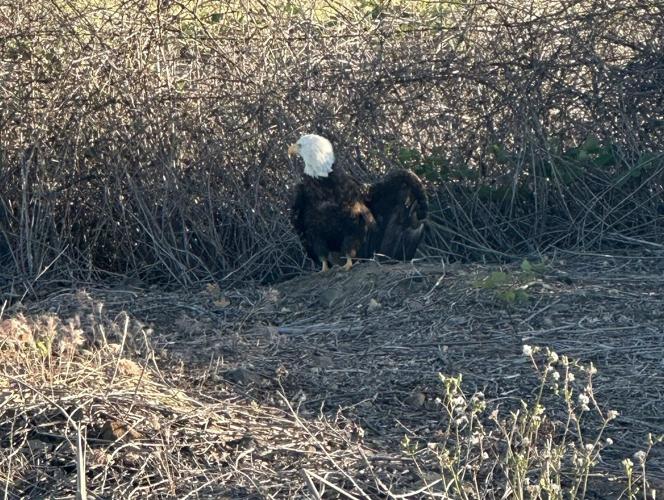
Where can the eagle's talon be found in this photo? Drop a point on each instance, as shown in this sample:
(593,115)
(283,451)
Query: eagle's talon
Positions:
(326,267)
(349,263)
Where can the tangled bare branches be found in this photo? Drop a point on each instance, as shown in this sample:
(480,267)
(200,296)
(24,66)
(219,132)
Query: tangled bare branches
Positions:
(147,139)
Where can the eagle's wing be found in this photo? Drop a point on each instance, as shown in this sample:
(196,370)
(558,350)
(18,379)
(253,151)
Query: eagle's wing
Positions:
(400,205)
(298,208)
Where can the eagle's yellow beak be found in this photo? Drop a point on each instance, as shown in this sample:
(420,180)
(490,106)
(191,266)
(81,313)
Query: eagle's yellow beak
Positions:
(292,150)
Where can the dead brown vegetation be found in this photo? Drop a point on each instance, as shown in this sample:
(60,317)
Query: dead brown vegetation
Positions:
(311,385)
(147,139)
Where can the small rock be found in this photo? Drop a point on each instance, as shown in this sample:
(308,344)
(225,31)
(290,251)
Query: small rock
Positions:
(415,399)
(113,430)
(373,305)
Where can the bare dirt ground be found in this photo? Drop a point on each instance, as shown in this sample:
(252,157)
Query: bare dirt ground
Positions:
(309,386)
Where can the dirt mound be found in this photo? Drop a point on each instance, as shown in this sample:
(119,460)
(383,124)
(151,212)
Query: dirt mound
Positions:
(312,384)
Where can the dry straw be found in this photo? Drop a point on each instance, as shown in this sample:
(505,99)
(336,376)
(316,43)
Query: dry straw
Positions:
(297,391)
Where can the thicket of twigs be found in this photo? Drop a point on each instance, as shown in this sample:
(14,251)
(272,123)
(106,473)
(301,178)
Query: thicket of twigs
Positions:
(147,138)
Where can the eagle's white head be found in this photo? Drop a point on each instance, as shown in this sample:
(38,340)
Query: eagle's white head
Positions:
(317,153)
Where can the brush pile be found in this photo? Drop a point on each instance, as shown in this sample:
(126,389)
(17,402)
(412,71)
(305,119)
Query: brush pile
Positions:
(147,139)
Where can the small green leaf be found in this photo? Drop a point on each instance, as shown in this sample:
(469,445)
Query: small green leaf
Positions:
(42,348)
(539,268)
(406,155)
(521,295)
(496,279)
(605,158)
(526,266)
(484,193)
(508,296)
(571,153)
(591,144)
(499,153)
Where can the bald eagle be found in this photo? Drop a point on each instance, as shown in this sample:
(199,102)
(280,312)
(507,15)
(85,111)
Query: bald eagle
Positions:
(328,213)
(333,213)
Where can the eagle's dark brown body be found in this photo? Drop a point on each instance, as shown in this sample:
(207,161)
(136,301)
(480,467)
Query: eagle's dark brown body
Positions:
(335,214)
(330,216)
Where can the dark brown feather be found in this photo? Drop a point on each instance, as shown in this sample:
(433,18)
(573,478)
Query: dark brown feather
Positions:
(400,206)
(329,215)
(335,214)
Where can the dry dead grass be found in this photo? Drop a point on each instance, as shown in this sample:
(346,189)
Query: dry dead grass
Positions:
(310,385)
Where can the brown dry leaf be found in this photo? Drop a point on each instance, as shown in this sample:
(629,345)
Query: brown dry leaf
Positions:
(113,430)
(49,326)
(75,336)
(17,329)
(127,367)
(114,348)
(68,338)
(222,302)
